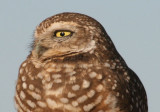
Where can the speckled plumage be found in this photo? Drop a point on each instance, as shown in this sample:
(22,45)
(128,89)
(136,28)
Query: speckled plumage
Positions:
(79,73)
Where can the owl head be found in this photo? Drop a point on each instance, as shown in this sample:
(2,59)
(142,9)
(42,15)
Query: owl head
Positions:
(67,34)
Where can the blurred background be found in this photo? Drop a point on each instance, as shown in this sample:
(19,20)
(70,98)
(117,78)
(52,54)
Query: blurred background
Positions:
(134,27)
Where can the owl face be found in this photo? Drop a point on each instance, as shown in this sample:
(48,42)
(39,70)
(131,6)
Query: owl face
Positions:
(63,39)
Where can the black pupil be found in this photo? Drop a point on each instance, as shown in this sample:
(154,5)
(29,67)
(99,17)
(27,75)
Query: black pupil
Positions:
(62,34)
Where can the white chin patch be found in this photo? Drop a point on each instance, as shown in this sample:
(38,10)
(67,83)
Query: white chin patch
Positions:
(89,48)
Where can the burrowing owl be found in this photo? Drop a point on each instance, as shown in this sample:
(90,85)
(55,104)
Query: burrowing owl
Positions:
(74,67)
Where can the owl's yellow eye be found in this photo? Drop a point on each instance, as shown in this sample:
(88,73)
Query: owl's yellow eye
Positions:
(63,33)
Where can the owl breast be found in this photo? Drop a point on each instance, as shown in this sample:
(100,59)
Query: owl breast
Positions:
(65,87)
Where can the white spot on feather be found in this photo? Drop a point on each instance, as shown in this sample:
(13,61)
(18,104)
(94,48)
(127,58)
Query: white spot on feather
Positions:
(31,104)
(99,88)
(99,76)
(106,64)
(23,78)
(21,70)
(57,81)
(24,85)
(91,93)
(54,92)
(40,75)
(88,107)
(74,103)
(92,74)
(85,84)
(64,100)
(34,95)
(22,95)
(82,99)
(49,85)
(51,103)
(56,76)
(41,104)
(71,95)
(24,64)
(111,101)
(31,86)
(75,87)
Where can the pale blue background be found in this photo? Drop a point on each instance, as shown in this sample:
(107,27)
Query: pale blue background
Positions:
(134,26)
